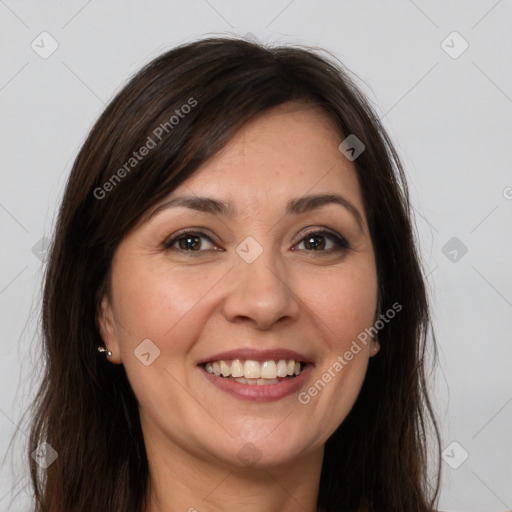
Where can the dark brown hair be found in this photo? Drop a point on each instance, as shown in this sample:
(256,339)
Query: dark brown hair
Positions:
(85,408)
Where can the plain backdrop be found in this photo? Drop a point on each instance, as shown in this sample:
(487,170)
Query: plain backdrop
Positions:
(439,74)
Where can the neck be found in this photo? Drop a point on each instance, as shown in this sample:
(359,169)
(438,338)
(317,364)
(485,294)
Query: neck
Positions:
(182,482)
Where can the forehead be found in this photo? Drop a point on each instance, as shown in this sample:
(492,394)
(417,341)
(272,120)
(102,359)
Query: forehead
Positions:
(287,152)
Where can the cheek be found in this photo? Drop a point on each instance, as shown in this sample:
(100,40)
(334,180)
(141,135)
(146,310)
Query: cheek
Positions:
(165,306)
(344,308)
(344,301)
(154,301)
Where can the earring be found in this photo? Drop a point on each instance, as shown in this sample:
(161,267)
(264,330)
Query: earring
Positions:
(102,349)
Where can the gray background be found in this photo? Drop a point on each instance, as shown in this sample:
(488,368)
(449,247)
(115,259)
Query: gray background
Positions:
(448,114)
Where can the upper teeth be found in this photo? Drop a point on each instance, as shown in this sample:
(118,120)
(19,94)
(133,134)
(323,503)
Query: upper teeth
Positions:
(254,369)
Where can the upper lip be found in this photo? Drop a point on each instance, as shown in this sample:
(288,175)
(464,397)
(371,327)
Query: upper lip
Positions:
(256,355)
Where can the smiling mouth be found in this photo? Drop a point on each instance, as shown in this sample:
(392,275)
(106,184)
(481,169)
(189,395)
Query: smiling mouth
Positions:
(253,372)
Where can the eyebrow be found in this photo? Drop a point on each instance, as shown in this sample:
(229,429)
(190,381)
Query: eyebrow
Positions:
(294,206)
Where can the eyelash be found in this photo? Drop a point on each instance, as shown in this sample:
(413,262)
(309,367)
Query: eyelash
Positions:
(341,243)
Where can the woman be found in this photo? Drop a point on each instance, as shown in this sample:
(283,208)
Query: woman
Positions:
(234,313)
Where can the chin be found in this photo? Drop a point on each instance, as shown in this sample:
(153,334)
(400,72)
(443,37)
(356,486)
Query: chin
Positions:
(267,450)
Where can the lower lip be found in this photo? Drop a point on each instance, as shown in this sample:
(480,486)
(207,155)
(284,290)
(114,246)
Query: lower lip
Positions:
(260,393)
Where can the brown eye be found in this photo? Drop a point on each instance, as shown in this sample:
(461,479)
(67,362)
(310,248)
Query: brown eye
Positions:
(316,242)
(188,242)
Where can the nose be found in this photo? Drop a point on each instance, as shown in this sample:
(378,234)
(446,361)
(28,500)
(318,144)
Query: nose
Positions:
(261,293)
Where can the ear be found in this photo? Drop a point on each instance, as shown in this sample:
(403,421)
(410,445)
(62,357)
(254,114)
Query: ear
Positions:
(107,328)
(375,347)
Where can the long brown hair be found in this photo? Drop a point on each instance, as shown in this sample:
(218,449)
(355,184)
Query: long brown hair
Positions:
(85,408)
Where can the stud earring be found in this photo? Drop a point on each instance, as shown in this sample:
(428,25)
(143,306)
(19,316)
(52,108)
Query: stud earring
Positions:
(103,349)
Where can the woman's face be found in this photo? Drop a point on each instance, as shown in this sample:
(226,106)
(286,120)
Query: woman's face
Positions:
(270,278)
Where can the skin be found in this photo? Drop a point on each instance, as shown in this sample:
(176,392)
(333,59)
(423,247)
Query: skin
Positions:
(292,296)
